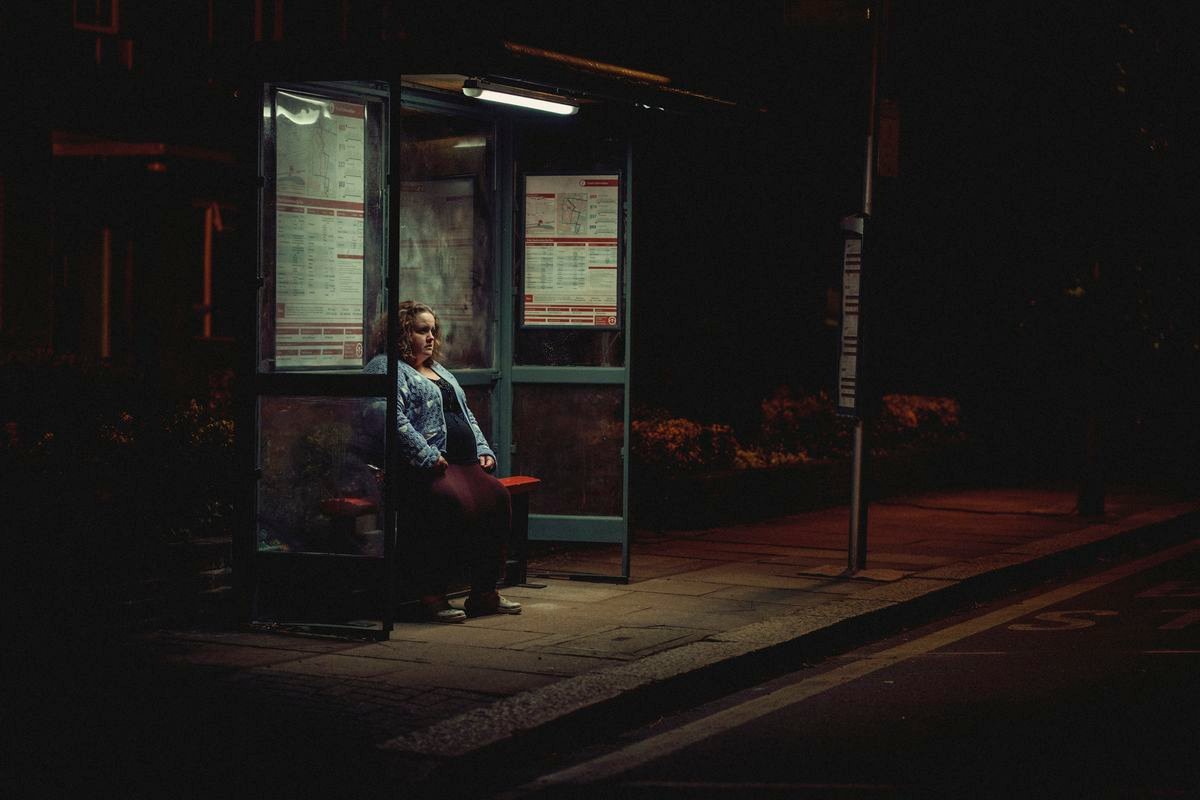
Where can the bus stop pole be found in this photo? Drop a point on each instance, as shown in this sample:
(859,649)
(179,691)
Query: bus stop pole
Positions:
(857,552)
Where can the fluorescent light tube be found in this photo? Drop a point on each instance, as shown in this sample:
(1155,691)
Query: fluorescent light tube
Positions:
(475,89)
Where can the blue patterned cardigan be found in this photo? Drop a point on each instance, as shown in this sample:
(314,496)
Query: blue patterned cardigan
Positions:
(420,420)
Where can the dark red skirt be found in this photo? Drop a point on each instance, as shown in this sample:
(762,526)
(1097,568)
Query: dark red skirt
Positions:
(459,525)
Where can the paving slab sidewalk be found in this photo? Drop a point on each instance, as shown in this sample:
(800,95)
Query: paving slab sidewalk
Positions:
(700,605)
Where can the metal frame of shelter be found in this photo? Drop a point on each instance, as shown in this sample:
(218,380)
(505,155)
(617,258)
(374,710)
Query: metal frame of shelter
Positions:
(303,571)
(307,572)
(508,375)
(578,527)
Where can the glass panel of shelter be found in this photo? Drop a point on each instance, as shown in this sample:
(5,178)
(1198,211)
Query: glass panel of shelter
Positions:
(322,229)
(574,433)
(446,229)
(570,392)
(446,246)
(319,495)
(319,532)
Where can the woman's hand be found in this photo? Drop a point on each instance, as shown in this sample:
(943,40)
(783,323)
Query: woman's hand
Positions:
(441,465)
(487,462)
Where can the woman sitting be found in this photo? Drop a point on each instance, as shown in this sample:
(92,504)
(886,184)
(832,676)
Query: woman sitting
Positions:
(457,511)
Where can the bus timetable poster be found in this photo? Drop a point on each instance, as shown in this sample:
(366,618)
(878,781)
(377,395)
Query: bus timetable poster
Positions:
(571,251)
(319,194)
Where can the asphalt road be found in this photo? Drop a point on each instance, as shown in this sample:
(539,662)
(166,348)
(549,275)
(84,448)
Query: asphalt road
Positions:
(1088,687)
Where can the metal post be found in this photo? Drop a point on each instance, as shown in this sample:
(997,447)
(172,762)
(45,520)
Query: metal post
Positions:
(627,307)
(857,551)
(858,504)
(872,113)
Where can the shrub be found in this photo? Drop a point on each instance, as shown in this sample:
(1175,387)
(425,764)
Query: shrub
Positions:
(804,424)
(198,443)
(795,428)
(909,421)
(759,458)
(676,444)
(90,450)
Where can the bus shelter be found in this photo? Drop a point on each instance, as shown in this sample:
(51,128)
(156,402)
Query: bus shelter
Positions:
(514,224)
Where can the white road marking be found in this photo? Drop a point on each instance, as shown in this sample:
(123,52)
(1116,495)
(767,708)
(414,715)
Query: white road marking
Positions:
(668,742)
(1187,616)
(760,786)
(1061,621)
(1173,589)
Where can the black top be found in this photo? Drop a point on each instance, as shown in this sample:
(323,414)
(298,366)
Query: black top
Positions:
(460,439)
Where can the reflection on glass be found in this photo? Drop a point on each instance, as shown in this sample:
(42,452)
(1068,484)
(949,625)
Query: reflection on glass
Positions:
(322,229)
(570,436)
(555,348)
(445,228)
(479,400)
(318,492)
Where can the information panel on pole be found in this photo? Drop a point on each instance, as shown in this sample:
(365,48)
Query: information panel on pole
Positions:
(849,386)
(320,198)
(572,251)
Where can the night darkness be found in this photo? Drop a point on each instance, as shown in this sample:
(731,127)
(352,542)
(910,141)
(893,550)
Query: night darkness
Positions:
(1035,257)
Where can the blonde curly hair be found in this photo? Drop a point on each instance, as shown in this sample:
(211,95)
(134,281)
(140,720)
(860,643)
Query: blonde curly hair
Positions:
(409,309)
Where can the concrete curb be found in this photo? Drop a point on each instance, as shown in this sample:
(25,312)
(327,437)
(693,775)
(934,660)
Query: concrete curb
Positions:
(636,690)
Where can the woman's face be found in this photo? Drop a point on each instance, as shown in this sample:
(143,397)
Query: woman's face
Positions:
(420,340)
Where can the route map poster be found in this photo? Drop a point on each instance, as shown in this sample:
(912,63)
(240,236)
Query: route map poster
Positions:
(319,205)
(571,251)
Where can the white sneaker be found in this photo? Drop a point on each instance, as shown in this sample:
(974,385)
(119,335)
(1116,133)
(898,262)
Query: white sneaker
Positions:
(506,606)
(446,613)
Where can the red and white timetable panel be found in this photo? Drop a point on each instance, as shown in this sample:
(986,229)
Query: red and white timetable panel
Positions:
(571,250)
(319,232)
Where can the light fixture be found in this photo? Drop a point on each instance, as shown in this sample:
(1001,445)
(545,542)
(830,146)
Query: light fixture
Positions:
(500,93)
